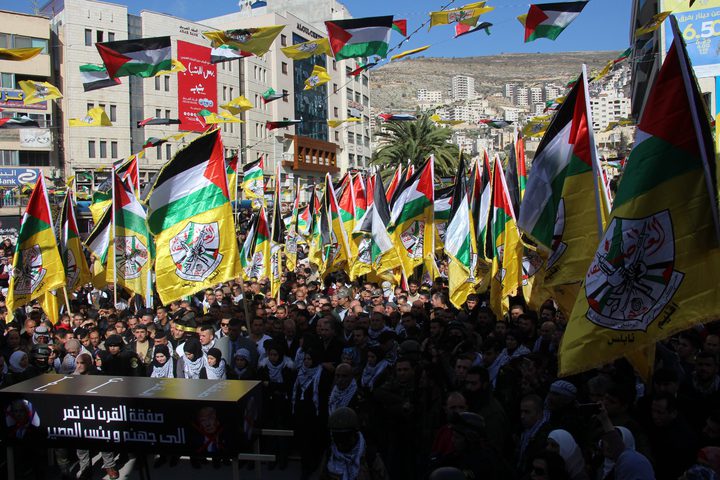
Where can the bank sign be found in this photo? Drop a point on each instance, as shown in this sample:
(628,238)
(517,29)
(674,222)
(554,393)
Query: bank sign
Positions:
(12,177)
(700,26)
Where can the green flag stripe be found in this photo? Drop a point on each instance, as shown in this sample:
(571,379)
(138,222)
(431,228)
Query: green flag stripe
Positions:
(196,203)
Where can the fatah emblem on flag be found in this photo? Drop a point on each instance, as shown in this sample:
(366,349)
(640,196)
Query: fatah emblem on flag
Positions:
(29,276)
(412,239)
(41,90)
(308,47)
(72,270)
(130,257)
(531,263)
(195,251)
(558,246)
(459,16)
(240,36)
(500,275)
(365,250)
(632,277)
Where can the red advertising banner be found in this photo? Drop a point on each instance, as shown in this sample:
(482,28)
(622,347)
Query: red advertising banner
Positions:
(197,86)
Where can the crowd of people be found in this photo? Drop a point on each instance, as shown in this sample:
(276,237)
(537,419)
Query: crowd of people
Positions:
(378,382)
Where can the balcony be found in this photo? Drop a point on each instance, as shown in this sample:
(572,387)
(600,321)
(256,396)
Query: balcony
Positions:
(312,155)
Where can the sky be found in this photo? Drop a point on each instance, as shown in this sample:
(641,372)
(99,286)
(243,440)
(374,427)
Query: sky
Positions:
(603,24)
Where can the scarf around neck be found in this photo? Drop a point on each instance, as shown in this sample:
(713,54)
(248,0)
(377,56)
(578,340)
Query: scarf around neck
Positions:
(192,368)
(347,465)
(275,372)
(305,378)
(341,398)
(371,374)
(164,371)
(215,373)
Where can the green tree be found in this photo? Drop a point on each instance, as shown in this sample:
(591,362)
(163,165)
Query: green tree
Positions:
(416,141)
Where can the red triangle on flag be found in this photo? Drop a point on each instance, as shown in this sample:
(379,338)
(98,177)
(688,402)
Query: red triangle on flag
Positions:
(534,18)
(113,60)
(215,171)
(338,36)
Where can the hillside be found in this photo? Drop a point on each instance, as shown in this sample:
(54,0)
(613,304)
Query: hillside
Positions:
(394,85)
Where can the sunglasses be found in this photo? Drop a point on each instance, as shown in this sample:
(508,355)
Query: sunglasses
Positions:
(224,324)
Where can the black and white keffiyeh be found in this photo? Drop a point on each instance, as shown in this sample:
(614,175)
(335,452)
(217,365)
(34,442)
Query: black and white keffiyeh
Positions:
(341,398)
(347,465)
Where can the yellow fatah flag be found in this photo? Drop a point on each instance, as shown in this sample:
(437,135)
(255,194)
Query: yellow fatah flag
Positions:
(255,40)
(319,76)
(77,272)
(436,118)
(537,126)
(409,52)
(223,117)
(657,269)
(303,50)
(336,122)
(237,105)
(96,117)
(654,23)
(189,212)
(50,304)
(19,54)
(37,266)
(175,67)
(36,92)
(522,19)
(467,14)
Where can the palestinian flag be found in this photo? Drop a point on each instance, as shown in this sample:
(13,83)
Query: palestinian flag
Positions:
(497,123)
(657,268)
(463,29)
(129,170)
(158,121)
(336,246)
(460,244)
(18,122)
(481,205)
(253,184)
(19,54)
(362,68)
(231,171)
(521,164)
(506,272)
(548,20)
(132,245)
(95,77)
(190,212)
(511,178)
(412,220)
(260,265)
(394,185)
(360,37)
(153,142)
(226,53)
(281,124)
(293,232)
(377,252)
(98,242)
(400,26)
(142,57)
(315,235)
(304,220)
(37,266)
(270,95)
(247,247)
(397,117)
(101,200)
(346,203)
(77,271)
(565,207)
(442,210)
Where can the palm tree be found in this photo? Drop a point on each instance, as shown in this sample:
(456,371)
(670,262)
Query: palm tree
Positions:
(416,141)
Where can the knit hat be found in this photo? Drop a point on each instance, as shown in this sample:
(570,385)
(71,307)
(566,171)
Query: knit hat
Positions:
(215,353)
(114,341)
(564,388)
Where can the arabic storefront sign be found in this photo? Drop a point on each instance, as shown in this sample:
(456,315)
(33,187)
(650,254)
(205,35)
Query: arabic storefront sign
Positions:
(185,417)
(35,138)
(12,177)
(11,98)
(197,86)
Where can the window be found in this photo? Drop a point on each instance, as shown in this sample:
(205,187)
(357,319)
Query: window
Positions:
(102,105)
(365,80)
(367,141)
(351,158)
(283,40)
(224,93)
(229,66)
(168,151)
(349,94)
(158,113)
(111,37)
(22,42)
(158,152)
(366,100)
(255,72)
(103,149)
(88,37)
(113,149)
(232,93)
(335,88)
(90,106)
(336,111)
(337,136)
(357,97)
(99,36)
(113,113)
(334,65)
(167,113)
(351,137)
(5,41)
(157,83)
(285,96)
(348,71)
(91,149)
(42,43)
(9,157)
(7,80)
(167,83)
(284,68)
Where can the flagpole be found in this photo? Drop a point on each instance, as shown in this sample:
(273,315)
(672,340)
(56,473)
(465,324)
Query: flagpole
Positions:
(113,243)
(67,300)
(593,155)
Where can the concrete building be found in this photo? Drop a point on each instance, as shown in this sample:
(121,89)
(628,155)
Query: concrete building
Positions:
(24,152)
(536,95)
(512,114)
(462,87)
(429,97)
(522,96)
(608,107)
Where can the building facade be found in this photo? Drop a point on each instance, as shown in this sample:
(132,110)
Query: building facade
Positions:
(463,87)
